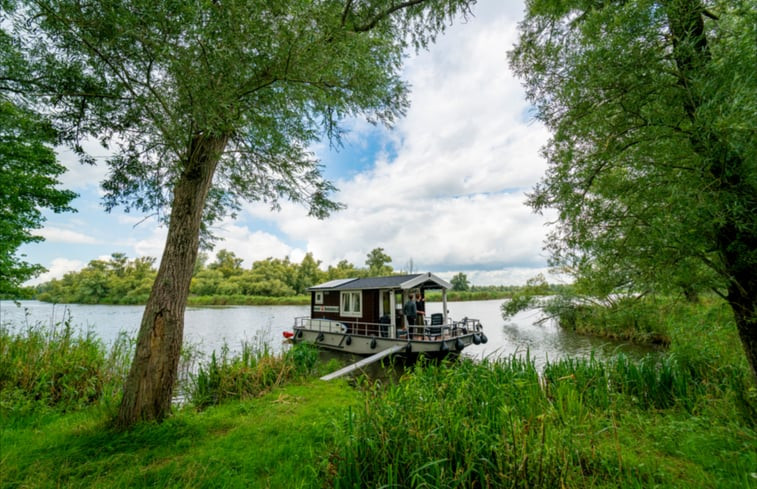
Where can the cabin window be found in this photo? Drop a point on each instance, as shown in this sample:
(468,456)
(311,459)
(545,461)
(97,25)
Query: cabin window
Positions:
(319,297)
(351,304)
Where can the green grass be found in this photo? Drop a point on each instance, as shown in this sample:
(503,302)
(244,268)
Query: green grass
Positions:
(682,419)
(277,440)
(583,424)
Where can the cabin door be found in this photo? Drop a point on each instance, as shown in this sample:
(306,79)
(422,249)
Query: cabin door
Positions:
(386,308)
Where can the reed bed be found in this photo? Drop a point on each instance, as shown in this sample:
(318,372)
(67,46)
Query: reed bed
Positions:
(59,367)
(502,424)
(251,373)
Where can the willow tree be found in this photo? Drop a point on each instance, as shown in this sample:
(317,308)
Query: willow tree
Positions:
(653,155)
(206,104)
(28,172)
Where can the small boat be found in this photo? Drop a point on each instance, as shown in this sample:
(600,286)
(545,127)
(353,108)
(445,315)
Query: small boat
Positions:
(365,316)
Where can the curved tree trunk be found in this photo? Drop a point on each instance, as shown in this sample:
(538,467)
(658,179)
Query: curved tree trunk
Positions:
(735,241)
(744,305)
(149,387)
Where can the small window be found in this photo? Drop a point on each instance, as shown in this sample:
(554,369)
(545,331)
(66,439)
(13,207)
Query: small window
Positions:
(319,297)
(351,304)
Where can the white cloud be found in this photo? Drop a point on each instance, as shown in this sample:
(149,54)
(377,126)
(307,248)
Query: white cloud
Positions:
(80,176)
(449,195)
(60,235)
(252,246)
(454,194)
(152,245)
(505,276)
(57,268)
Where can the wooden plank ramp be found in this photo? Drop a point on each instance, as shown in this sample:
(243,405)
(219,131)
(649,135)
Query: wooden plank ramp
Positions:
(362,363)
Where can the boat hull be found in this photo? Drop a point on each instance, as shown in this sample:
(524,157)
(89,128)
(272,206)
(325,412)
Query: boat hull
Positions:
(370,345)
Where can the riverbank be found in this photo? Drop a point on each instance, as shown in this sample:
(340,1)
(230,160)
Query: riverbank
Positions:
(294,300)
(686,419)
(481,426)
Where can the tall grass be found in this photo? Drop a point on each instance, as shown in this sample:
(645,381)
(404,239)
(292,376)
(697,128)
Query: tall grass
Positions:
(59,367)
(499,424)
(63,368)
(251,373)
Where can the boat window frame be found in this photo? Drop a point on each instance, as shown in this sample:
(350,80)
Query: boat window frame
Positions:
(319,297)
(350,295)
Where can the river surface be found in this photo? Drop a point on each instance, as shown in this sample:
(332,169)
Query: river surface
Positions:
(210,328)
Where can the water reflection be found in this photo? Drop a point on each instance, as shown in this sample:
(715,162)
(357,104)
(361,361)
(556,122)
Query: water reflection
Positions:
(525,334)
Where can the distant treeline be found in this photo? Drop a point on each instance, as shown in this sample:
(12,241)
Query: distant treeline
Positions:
(121,280)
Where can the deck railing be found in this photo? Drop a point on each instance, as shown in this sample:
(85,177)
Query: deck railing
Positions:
(424,332)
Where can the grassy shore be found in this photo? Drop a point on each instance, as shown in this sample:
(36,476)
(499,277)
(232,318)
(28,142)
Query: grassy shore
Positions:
(247,300)
(686,419)
(278,440)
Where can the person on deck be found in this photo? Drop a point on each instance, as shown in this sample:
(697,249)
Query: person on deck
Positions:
(411,312)
(420,306)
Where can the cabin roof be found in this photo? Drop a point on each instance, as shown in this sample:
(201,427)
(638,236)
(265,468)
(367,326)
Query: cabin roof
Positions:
(426,280)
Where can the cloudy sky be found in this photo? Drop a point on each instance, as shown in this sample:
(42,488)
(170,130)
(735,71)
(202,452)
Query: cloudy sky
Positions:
(444,190)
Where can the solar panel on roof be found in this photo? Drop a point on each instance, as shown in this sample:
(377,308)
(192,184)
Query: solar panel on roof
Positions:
(332,284)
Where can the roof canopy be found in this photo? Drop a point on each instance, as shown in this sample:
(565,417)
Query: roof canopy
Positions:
(403,282)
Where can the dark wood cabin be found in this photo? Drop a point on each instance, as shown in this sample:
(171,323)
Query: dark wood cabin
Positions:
(366,303)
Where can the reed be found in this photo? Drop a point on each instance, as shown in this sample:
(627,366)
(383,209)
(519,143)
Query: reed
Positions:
(502,424)
(251,373)
(58,367)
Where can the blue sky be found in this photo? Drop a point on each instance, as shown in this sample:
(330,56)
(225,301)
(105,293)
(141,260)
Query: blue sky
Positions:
(444,190)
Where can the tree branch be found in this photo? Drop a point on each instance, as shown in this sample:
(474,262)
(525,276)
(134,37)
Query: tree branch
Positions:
(386,13)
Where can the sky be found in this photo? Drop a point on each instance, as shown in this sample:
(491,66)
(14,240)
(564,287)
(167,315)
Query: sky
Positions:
(443,191)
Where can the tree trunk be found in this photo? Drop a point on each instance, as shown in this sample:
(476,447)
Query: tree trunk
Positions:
(735,236)
(149,387)
(745,313)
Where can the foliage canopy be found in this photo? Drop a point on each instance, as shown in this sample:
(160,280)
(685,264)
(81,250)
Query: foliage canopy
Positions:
(28,183)
(653,157)
(209,104)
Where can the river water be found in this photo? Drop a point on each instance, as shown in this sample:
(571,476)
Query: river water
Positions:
(210,328)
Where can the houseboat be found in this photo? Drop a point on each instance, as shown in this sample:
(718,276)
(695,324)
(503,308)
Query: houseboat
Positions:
(366,316)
